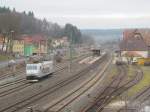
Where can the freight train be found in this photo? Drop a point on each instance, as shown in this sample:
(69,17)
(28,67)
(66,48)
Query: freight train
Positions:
(39,70)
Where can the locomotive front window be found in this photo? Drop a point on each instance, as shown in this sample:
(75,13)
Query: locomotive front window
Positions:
(31,67)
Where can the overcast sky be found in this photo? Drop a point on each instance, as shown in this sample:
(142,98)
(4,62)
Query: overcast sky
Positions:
(88,13)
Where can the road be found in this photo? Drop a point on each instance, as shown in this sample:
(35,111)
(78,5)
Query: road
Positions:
(5,63)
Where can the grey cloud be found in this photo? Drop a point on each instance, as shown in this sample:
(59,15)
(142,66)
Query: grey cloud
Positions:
(64,11)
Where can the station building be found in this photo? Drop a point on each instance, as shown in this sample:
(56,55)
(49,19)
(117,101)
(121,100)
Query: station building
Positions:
(96,51)
(135,45)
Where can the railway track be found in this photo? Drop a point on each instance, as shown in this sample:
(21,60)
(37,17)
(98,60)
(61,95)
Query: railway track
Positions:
(20,72)
(11,83)
(22,83)
(139,75)
(12,74)
(7,73)
(142,96)
(35,97)
(59,67)
(128,85)
(60,104)
(107,90)
(145,93)
(138,100)
(114,89)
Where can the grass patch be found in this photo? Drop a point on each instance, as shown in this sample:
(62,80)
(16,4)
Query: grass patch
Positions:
(5,58)
(145,82)
(131,71)
(113,71)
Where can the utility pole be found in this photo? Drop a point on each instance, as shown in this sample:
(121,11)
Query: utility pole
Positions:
(148,51)
(7,44)
(4,41)
(70,52)
(11,41)
(126,99)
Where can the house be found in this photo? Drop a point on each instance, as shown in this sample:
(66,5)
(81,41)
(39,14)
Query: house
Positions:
(60,42)
(40,44)
(34,44)
(18,46)
(2,43)
(27,43)
(136,44)
(56,43)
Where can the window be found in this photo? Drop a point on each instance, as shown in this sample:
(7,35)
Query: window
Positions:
(31,67)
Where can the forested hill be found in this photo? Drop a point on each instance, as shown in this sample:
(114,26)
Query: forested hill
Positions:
(102,34)
(27,23)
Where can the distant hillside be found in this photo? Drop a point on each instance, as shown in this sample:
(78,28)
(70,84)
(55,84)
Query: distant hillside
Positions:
(104,35)
(27,23)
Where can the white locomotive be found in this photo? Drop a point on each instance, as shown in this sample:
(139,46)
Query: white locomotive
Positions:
(36,71)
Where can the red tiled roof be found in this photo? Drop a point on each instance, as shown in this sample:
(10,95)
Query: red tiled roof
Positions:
(33,38)
(145,33)
(38,38)
(132,53)
(133,45)
(27,39)
(135,40)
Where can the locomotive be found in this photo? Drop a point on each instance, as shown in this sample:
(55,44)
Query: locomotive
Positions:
(38,70)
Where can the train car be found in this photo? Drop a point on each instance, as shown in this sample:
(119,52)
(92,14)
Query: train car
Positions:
(37,71)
